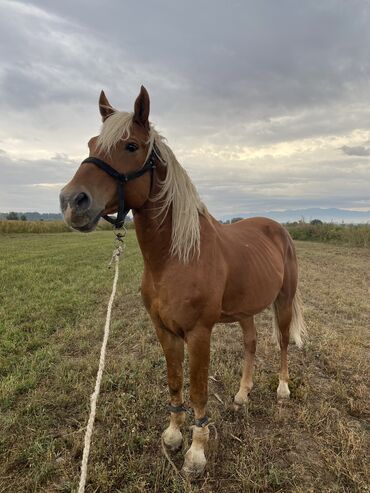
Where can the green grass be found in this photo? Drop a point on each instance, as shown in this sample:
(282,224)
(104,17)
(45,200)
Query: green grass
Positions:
(54,290)
(53,295)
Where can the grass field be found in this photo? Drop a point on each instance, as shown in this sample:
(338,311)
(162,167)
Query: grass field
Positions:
(54,291)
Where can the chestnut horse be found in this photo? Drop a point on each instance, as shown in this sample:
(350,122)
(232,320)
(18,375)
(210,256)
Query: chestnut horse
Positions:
(197,272)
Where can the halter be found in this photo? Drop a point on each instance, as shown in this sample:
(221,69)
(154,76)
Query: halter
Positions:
(121,179)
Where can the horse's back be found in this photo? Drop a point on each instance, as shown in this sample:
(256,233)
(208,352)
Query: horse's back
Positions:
(254,228)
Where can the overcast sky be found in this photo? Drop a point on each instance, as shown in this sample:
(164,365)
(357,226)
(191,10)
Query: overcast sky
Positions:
(266,103)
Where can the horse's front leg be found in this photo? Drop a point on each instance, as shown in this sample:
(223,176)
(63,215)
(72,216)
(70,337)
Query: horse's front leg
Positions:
(173,348)
(198,341)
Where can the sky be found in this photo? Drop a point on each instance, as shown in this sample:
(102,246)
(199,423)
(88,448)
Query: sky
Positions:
(265,103)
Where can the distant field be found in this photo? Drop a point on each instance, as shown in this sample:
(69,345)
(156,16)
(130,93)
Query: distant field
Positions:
(54,290)
(33,227)
(8,227)
(340,234)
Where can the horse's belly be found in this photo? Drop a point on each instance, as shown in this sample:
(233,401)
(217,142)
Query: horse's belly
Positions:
(251,294)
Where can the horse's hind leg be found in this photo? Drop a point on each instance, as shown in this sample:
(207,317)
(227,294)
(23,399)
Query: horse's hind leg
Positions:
(283,318)
(246,382)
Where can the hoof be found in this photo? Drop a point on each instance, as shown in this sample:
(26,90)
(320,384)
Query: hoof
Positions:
(283,391)
(236,407)
(172,438)
(194,464)
(241,400)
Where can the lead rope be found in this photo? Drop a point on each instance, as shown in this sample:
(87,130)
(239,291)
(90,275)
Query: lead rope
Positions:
(94,396)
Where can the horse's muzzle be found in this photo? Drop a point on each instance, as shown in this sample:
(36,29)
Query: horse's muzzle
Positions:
(78,211)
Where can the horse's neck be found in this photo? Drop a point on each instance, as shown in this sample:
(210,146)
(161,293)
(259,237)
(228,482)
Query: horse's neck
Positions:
(154,231)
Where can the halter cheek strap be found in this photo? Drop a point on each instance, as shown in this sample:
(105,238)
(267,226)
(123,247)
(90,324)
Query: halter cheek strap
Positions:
(121,179)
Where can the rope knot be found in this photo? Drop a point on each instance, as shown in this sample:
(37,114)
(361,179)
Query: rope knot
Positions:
(117,252)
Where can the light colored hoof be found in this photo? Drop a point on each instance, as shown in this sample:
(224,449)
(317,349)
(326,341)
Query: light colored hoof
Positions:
(236,407)
(241,399)
(194,464)
(172,438)
(283,391)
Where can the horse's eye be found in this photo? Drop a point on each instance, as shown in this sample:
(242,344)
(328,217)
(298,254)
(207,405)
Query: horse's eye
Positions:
(130,147)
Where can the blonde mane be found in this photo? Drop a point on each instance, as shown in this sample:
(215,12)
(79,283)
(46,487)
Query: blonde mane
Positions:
(176,190)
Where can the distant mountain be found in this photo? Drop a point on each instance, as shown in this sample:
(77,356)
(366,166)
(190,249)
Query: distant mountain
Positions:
(326,215)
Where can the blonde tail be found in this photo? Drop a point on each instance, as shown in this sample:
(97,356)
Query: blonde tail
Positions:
(297,329)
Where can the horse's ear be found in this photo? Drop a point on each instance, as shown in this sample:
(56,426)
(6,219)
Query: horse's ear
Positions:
(105,106)
(142,107)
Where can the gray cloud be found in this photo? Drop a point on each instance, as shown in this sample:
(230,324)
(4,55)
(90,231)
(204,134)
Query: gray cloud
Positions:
(263,189)
(244,61)
(229,84)
(356,150)
(29,185)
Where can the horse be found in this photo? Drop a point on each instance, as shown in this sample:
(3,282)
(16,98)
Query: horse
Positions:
(197,271)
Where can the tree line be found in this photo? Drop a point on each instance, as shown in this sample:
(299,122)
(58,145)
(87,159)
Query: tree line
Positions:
(14,216)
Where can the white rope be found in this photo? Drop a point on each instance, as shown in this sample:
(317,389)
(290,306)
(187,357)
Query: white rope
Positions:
(95,394)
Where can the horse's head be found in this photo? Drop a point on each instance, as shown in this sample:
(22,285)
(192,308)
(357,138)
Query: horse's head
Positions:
(123,144)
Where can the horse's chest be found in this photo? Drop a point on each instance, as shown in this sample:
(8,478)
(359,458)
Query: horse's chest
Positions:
(175,304)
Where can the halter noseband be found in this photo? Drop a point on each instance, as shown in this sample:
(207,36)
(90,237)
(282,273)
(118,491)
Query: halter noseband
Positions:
(121,179)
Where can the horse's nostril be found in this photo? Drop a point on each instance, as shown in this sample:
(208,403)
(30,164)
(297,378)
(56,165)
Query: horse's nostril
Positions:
(63,202)
(82,201)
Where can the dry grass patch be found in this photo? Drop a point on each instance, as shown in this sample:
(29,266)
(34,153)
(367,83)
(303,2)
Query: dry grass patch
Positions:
(54,295)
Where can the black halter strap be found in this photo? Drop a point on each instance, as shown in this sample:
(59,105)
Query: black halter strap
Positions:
(121,179)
